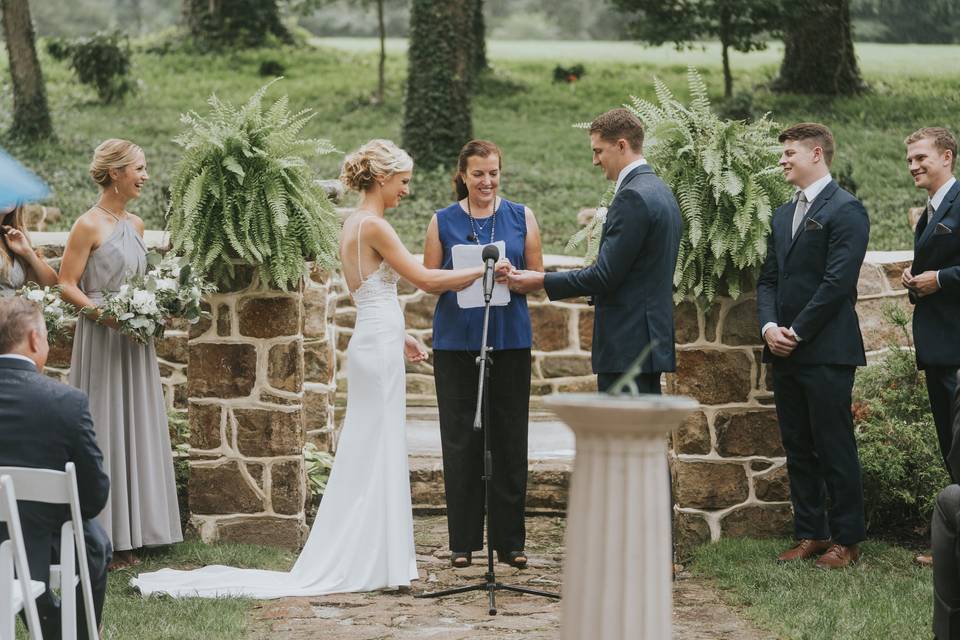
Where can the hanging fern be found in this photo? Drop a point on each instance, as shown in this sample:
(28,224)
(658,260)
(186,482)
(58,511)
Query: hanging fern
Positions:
(726,180)
(243,189)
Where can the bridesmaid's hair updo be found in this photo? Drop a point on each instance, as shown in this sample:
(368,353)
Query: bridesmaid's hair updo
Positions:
(474,148)
(111,154)
(377,159)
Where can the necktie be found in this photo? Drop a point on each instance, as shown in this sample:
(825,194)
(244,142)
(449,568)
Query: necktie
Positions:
(799,211)
(929,211)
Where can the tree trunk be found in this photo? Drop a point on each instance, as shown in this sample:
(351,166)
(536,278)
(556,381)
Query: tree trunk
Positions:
(219,24)
(31,115)
(725,48)
(383,54)
(437,121)
(479,39)
(818,52)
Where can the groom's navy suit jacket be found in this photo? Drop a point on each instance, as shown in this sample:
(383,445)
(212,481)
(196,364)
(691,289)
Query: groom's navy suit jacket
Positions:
(809,281)
(632,279)
(936,317)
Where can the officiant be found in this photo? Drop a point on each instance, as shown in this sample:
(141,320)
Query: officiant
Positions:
(479,217)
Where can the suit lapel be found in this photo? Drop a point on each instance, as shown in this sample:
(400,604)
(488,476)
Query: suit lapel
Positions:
(818,203)
(644,168)
(939,214)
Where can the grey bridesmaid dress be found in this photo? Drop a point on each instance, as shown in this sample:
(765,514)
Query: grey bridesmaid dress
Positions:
(12,279)
(122,380)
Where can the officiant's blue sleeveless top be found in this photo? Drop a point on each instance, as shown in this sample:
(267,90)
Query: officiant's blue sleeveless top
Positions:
(456,329)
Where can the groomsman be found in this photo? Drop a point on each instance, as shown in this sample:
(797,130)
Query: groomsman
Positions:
(934,278)
(805,297)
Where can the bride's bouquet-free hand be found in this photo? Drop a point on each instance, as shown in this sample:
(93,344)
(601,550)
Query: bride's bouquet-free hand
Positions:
(143,307)
(57,314)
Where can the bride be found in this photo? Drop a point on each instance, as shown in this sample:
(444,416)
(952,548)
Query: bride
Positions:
(362,538)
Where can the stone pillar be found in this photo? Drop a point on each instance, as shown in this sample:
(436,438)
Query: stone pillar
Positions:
(617,573)
(319,358)
(245,388)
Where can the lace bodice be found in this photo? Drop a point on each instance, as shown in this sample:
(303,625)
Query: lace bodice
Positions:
(380,285)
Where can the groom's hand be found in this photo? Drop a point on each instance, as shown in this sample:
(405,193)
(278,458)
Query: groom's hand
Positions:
(524,282)
(781,340)
(503,269)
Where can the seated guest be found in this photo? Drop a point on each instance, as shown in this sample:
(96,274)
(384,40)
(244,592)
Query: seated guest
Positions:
(19,264)
(45,424)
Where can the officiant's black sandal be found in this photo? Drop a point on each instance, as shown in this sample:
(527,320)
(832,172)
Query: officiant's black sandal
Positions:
(461,559)
(516,559)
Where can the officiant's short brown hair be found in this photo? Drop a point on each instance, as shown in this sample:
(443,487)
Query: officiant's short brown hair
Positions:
(619,123)
(942,139)
(814,132)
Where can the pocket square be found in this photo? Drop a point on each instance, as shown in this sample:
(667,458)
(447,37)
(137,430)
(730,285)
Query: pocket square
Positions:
(812,225)
(942,230)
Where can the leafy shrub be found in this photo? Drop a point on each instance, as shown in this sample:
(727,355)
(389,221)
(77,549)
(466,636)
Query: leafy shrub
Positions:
(739,106)
(243,189)
(271,68)
(726,179)
(179,427)
(899,454)
(563,74)
(101,61)
(318,463)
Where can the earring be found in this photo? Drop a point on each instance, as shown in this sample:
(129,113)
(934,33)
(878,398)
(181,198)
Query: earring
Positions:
(115,190)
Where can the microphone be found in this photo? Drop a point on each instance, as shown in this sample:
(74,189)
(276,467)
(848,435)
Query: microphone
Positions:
(490,256)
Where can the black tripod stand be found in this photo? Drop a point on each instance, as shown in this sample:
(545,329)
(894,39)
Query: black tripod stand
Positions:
(490,255)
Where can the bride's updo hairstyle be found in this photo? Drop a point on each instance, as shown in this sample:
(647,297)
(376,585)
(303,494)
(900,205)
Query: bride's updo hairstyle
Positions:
(111,154)
(376,160)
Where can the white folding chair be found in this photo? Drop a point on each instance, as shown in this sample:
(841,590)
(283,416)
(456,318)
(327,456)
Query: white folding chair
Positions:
(60,487)
(20,592)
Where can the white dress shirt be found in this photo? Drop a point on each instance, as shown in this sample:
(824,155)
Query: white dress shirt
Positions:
(627,169)
(811,191)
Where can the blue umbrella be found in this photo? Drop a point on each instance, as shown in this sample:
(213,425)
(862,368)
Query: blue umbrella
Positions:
(18,184)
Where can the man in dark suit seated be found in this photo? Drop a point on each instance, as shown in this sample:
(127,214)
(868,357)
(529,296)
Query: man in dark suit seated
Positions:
(632,279)
(45,424)
(806,297)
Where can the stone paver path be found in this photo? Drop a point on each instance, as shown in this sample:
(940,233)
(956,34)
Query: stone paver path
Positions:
(698,612)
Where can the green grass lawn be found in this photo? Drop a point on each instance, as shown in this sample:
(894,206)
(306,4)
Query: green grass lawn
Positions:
(129,616)
(547,163)
(882,598)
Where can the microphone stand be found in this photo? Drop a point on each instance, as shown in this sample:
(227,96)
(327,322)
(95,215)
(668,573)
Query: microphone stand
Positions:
(481,420)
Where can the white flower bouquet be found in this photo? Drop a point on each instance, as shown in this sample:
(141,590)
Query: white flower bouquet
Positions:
(144,305)
(57,314)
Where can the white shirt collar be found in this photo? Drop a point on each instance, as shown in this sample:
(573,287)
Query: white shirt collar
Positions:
(813,190)
(17,356)
(627,169)
(941,193)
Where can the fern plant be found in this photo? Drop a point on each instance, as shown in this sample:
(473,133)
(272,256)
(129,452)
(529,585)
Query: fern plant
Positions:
(243,189)
(725,176)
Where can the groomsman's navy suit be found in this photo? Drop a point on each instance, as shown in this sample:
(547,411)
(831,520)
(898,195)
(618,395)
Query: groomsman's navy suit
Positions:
(45,424)
(936,318)
(631,281)
(809,282)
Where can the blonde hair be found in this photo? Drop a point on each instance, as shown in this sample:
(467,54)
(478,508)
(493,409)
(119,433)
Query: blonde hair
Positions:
(114,153)
(376,159)
(942,139)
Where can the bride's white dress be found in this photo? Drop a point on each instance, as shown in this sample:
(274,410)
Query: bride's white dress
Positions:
(362,538)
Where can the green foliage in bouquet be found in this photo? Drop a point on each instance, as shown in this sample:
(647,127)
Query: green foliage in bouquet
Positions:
(726,179)
(57,314)
(245,190)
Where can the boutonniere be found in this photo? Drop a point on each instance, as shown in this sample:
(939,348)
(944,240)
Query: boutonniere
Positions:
(592,232)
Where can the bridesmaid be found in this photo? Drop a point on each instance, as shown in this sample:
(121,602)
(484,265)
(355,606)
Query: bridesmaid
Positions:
(120,375)
(18,262)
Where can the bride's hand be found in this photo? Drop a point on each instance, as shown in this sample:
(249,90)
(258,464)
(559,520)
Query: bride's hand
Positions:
(503,269)
(413,350)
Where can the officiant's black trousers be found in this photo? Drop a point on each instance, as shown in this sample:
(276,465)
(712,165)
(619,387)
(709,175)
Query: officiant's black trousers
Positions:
(945,532)
(816,426)
(456,375)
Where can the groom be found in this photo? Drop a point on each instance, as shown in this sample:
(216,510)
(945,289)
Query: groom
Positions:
(632,279)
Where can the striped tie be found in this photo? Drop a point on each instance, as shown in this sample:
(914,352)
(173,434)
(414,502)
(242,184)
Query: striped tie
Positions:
(799,211)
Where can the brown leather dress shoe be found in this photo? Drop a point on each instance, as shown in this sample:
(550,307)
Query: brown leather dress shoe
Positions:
(838,557)
(805,549)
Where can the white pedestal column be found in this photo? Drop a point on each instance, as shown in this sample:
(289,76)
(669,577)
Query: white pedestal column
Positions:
(619,555)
